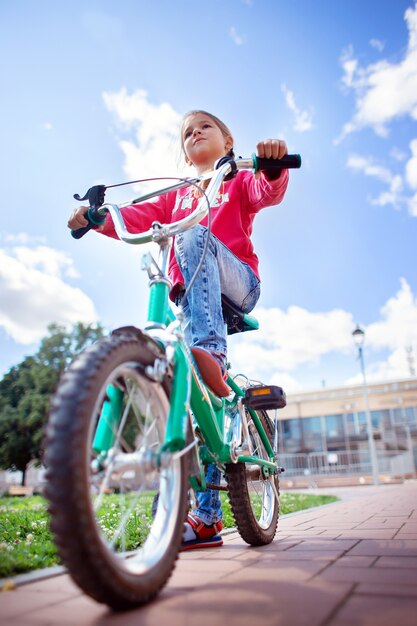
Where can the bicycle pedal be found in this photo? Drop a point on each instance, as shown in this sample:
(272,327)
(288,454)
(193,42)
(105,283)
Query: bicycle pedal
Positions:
(265,397)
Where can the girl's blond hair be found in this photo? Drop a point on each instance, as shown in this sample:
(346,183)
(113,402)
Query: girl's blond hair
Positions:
(221,125)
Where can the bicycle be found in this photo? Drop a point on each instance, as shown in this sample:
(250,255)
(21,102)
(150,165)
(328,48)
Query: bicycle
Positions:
(133,425)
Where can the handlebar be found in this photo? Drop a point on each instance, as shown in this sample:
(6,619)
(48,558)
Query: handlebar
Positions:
(225,168)
(289,161)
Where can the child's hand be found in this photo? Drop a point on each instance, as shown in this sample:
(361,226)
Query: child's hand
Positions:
(272,149)
(77,218)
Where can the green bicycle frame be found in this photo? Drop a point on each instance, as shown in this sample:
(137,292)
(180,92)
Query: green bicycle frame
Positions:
(189,393)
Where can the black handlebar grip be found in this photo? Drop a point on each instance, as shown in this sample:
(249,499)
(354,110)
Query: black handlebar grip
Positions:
(288,161)
(94,221)
(80,232)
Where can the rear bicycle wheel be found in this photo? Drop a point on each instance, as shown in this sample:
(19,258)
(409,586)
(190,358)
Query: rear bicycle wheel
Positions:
(253,496)
(101,506)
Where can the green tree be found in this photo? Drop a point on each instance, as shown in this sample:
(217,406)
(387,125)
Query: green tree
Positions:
(26,390)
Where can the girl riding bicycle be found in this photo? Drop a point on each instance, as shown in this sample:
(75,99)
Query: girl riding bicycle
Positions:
(229,267)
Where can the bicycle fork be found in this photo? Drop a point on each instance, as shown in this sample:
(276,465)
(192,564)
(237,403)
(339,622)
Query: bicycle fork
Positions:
(240,443)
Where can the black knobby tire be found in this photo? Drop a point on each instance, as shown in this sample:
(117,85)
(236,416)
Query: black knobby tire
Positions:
(100,516)
(252,497)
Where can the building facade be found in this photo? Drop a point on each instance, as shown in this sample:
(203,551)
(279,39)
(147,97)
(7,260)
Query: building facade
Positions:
(326,430)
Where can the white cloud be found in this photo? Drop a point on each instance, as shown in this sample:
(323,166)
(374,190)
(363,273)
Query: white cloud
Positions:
(396,330)
(303,120)
(236,38)
(396,366)
(377,44)
(33,293)
(153,147)
(46,260)
(21,239)
(398,155)
(384,90)
(395,195)
(412,205)
(288,340)
(368,167)
(398,324)
(411,167)
(350,67)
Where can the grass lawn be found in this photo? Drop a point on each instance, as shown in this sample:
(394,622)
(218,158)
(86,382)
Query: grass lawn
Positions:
(26,542)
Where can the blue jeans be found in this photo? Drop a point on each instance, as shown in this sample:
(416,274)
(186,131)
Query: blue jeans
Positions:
(221,273)
(209,508)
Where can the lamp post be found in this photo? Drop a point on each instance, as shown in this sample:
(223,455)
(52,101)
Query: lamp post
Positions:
(359,338)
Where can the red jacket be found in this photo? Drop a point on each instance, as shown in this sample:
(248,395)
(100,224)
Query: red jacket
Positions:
(233,213)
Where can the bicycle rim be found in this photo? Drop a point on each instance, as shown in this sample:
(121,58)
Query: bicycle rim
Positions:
(124,491)
(262,490)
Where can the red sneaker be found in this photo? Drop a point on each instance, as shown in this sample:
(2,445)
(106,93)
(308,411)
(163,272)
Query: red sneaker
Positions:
(211,371)
(205,536)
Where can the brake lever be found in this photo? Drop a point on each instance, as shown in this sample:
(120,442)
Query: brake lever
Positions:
(95,196)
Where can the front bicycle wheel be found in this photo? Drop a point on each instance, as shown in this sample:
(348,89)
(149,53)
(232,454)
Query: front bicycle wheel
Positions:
(254,497)
(118,540)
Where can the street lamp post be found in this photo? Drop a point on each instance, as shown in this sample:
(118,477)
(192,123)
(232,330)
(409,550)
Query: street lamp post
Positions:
(359,338)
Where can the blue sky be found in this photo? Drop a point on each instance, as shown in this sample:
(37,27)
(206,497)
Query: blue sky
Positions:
(93,91)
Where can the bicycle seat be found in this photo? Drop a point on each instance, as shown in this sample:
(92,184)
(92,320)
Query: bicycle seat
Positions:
(237,321)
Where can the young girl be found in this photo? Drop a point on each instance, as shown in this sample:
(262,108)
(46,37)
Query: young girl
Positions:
(230,267)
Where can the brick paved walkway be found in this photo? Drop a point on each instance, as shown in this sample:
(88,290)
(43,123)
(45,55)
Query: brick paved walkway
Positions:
(349,563)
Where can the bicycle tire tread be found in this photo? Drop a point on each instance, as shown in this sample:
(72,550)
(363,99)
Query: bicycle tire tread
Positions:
(70,521)
(246,523)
